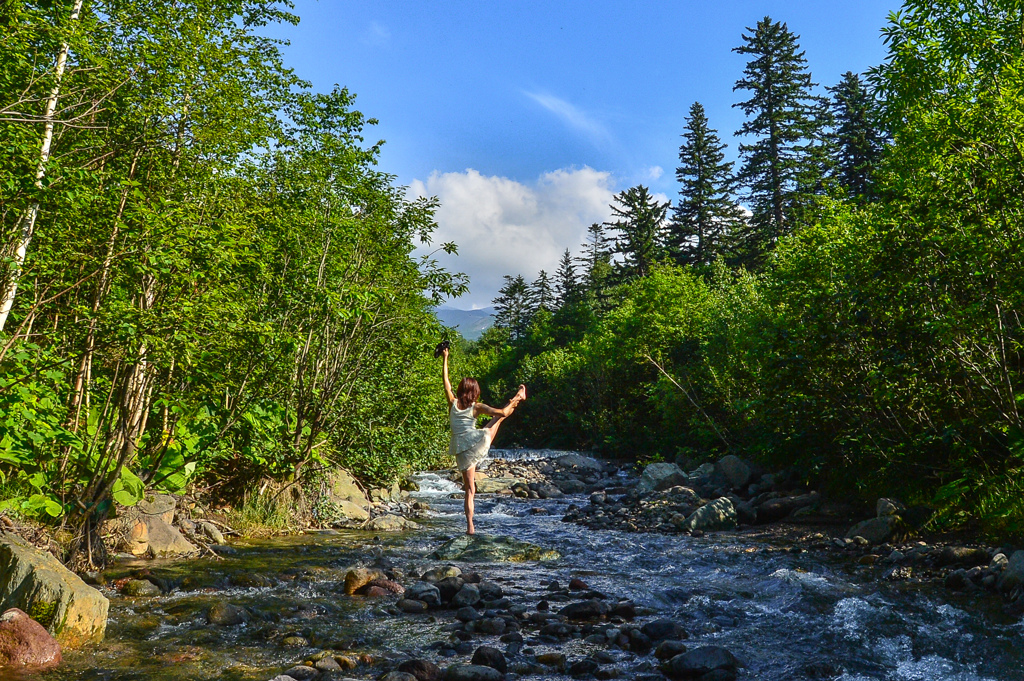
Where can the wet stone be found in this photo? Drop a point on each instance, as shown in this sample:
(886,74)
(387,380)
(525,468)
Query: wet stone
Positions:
(411,606)
(490,657)
(302,673)
(421,670)
(472,672)
(584,667)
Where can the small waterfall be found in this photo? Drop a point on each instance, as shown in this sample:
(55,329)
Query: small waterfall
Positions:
(530,454)
(434,485)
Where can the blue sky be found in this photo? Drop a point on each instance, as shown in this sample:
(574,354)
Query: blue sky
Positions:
(525,117)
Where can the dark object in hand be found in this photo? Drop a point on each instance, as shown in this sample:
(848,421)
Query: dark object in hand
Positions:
(441,347)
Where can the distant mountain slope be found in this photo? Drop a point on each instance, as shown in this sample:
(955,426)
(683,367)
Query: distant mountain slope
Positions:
(470,323)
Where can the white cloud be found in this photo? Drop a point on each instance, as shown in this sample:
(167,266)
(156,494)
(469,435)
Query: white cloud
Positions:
(504,227)
(572,116)
(654,172)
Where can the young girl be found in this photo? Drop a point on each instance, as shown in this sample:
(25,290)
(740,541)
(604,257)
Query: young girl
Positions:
(469,444)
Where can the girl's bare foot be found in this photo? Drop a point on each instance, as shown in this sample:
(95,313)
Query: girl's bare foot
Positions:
(522,392)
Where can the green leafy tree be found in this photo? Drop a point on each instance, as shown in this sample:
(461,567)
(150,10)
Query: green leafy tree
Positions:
(707,214)
(784,166)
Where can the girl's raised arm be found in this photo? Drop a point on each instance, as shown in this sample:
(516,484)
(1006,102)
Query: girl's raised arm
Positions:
(444,375)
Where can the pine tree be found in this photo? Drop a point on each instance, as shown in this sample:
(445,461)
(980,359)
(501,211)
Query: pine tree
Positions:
(542,296)
(512,309)
(566,284)
(858,135)
(706,213)
(640,222)
(786,163)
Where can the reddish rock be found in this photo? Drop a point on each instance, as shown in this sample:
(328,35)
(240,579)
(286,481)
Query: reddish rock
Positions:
(577,584)
(386,585)
(26,643)
(376,592)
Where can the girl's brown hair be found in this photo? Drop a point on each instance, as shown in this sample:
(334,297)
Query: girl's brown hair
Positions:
(468,392)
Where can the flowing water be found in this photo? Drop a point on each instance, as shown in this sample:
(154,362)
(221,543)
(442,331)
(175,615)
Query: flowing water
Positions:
(788,615)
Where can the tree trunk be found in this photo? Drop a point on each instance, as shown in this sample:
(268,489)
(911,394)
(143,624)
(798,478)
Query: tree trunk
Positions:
(27,223)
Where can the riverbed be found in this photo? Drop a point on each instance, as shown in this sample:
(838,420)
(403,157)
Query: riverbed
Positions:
(787,613)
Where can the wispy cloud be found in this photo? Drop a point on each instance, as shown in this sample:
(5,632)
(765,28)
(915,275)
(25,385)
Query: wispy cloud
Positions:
(377,34)
(571,116)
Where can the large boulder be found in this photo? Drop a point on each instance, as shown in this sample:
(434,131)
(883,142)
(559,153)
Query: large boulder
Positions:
(350,510)
(472,672)
(343,487)
(161,505)
(164,539)
(481,548)
(875,530)
(36,583)
(719,514)
(735,470)
(659,476)
(26,643)
(777,509)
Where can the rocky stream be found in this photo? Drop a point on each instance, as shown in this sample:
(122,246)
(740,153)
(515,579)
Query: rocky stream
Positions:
(595,593)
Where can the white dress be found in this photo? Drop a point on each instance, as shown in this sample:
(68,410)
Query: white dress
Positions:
(469,444)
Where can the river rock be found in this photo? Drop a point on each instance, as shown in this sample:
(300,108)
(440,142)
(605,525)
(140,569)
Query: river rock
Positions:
(472,672)
(424,592)
(664,629)
(227,615)
(398,676)
(486,656)
(545,490)
(1013,576)
(571,486)
(343,487)
(494,485)
(421,670)
(481,548)
(666,650)
(884,507)
(26,643)
(390,523)
(777,509)
(36,583)
(212,532)
(962,555)
(695,663)
(580,463)
(719,514)
(469,594)
(659,476)
(161,505)
(302,673)
(875,530)
(357,578)
(735,470)
(140,588)
(164,539)
(585,610)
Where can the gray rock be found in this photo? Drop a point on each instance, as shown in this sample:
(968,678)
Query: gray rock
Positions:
(884,507)
(390,523)
(701,661)
(777,509)
(469,594)
(472,672)
(161,505)
(666,650)
(570,486)
(421,670)
(486,656)
(664,629)
(467,613)
(660,476)
(165,541)
(735,470)
(398,676)
(578,462)
(875,530)
(37,583)
(962,555)
(719,514)
(1013,576)
(494,485)
(302,672)
(212,532)
(998,562)
(591,609)
(411,606)
(425,592)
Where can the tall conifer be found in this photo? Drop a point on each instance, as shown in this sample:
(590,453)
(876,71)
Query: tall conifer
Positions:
(858,134)
(542,295)
(597,267)
(639,218)
(566,284)
(512,309)
(706,213)
(785,164)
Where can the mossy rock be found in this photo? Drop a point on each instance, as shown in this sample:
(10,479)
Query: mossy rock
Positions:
(486,548)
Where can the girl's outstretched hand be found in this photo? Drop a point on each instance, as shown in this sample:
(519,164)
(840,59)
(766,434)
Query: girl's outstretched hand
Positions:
(444,353)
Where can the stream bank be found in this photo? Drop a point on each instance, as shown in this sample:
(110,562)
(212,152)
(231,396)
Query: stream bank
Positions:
(785,609)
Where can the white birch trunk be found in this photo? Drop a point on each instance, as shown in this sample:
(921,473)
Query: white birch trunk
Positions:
(27,223)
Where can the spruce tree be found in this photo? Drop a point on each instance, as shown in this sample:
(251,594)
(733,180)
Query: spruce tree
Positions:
(566,285)
(858,135)
(785,164)
(512,309)
(639,219)
(542,295)
(706,213)
(597,267)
